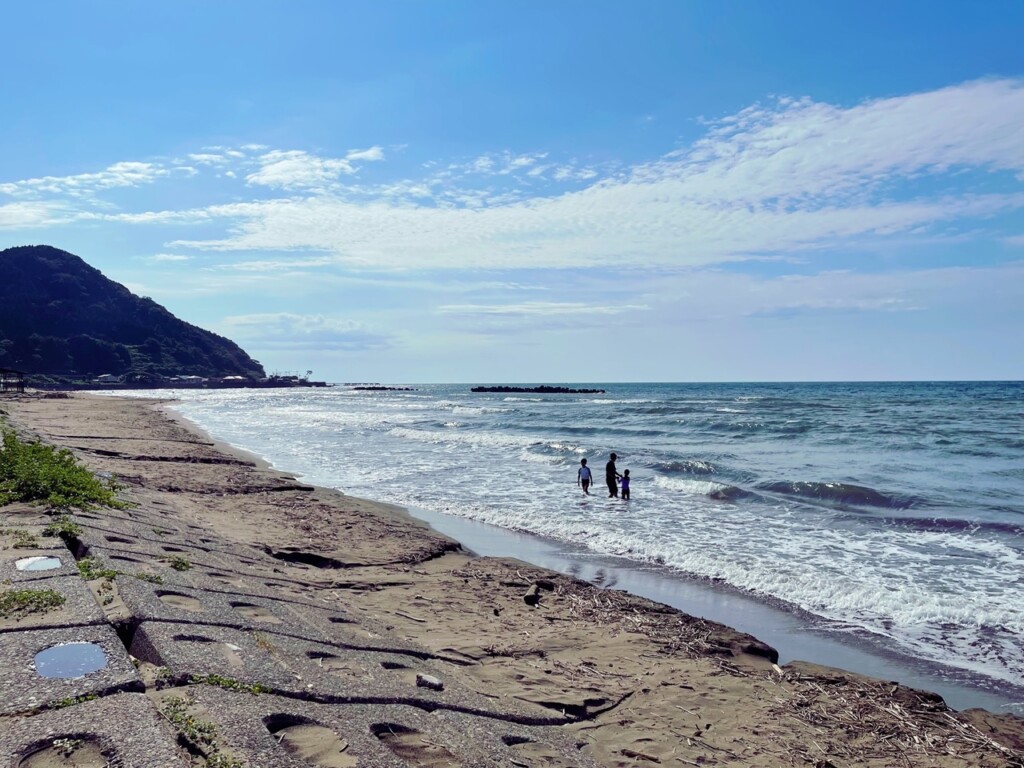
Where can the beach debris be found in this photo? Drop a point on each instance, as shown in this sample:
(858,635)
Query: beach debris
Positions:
(404,615)
(532,596)
(428,681)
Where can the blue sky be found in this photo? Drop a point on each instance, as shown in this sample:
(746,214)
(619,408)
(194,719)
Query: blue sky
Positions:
(571,191)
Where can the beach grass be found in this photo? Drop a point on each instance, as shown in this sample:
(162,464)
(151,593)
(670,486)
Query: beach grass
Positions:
(32,471)
(19,602)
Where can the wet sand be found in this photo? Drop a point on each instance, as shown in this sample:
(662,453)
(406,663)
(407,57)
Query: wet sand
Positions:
(620,679)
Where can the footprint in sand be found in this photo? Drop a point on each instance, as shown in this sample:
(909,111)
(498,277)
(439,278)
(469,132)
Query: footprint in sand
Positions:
(66,753)
(533,753)
(256,613)
(182,602)
(401,671)
(316,745)
(223,578)
(413,747)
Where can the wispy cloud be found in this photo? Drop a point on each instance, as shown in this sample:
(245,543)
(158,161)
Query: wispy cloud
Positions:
(295,169)
(770,180)
(28,215)
(124,174)
(285,330)
(168,257)
(372,154)
(538,308)
(776,179)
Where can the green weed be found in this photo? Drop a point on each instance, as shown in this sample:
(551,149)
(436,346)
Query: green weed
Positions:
(72,701)
(227,683)
(37,472)
(91,568)
(199,735)
(15,603)
(24,539)
(64,527)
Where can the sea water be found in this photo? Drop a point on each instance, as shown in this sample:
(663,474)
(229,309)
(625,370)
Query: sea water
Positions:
(893,511)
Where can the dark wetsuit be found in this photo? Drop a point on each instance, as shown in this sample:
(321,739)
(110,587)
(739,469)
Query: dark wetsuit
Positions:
(610,477)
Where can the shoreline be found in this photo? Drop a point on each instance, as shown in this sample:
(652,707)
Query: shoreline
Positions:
(793,635)
(347,613)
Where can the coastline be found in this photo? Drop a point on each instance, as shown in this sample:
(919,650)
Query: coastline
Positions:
(795,635)
(627,680)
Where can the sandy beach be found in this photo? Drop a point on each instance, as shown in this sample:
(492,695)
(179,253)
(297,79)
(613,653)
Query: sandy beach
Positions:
(308,627)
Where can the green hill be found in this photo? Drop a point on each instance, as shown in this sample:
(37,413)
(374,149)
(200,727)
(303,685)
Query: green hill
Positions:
(60,317)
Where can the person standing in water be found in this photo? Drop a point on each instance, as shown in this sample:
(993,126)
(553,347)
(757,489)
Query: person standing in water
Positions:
(584,476)
(611,477)
(625,485)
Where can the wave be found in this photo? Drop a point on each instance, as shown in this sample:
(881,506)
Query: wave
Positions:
(709,488)
(784,429)
(946,524)
(842,493)
(686,466)
(609,401)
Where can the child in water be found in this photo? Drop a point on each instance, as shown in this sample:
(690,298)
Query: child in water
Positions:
(625,485)
(583,477)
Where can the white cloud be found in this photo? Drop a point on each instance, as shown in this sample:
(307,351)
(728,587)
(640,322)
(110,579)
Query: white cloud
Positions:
(276,266)
(284,330)
(27,215)
(124,174)
(295,169)
(368,155)
(499,164)
(539,308)
(208,158)
(771,180)
(165,257)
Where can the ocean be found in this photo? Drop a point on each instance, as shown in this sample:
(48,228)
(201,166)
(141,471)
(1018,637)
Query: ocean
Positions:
(889,512)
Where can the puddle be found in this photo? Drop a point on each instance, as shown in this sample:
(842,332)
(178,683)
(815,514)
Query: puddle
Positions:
(70,660)
(39,563)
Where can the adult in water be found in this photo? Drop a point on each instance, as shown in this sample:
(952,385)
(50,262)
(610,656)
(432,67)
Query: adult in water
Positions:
(611,476)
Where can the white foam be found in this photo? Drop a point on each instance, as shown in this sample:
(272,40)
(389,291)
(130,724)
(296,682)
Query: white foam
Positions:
(940,595)
(686,485)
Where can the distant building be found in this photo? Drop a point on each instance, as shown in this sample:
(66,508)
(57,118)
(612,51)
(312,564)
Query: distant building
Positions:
(11,381)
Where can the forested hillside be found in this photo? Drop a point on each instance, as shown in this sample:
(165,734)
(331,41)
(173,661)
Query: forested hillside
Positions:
(61,317)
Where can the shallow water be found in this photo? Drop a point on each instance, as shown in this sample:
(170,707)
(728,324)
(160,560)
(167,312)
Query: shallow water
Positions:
(70,660)
(894,512)
(39,563)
